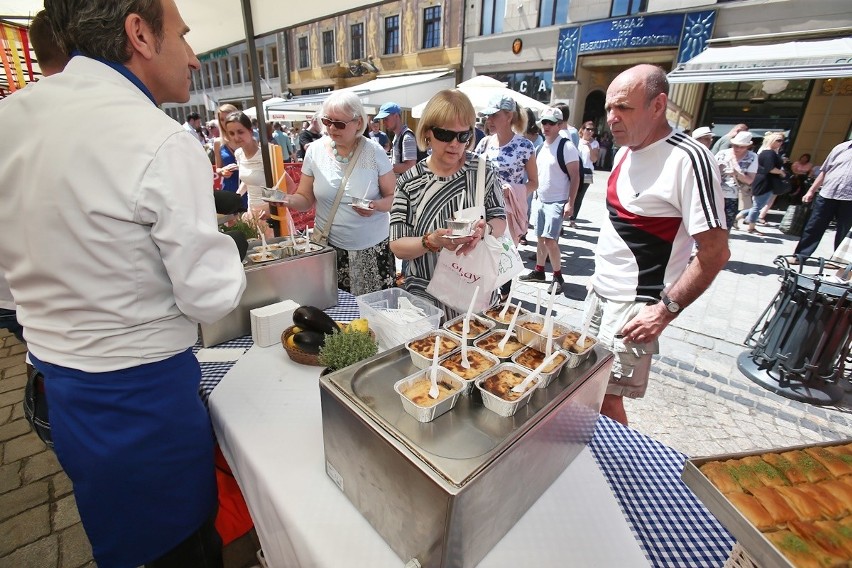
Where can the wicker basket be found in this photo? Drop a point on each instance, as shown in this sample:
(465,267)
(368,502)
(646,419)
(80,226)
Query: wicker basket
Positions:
(739,558)
(297,354)
(300,356)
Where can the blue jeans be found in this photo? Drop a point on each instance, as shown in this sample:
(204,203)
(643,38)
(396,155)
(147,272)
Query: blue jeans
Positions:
(9,320)
(824,211)
(759,202)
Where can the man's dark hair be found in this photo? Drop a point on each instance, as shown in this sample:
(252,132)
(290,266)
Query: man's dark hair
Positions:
(96,27)
(193,116)
(564,109)
(47,48)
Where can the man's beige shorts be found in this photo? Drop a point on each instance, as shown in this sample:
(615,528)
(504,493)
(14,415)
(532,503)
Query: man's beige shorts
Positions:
(632,363)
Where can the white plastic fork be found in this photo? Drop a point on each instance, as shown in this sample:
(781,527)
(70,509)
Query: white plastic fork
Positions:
(522,386)
(433,372)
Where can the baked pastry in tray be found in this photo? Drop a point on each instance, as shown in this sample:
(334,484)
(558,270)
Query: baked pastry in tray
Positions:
(722,477)
(811,469)
(767,474)
(838,464)
(840,490)
(804,505)
(830,535)
(775,505)
(803,553)
(753,510)
(479,363)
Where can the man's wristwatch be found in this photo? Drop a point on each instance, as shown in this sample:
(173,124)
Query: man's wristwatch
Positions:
(671,305)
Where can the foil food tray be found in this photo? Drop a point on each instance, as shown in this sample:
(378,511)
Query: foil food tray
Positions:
(748,536)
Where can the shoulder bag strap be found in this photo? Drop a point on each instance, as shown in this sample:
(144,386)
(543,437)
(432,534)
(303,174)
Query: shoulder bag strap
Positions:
(331,213)
(560,155)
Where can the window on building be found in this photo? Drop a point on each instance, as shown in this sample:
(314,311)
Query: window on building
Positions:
(226,72)
(273,62)
(628,7)
(391,35)
(261,67)
(195,81)
(304,53)
(205,75)
(245,61)
(493,12)
(553,12)
(328,47)
(432,27)
(237,70)
(356,33)
(216,73)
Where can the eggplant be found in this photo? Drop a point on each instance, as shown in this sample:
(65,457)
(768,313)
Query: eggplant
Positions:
(309,341)
(314,319)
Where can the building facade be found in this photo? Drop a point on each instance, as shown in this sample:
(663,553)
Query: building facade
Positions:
(342,50)
(570,50)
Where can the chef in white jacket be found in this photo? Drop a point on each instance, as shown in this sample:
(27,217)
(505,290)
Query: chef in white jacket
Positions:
(109,242)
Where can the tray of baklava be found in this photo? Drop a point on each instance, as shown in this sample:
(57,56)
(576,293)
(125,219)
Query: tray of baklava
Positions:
(786,507)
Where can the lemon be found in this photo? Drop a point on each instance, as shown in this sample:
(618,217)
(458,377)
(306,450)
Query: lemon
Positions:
(360,324)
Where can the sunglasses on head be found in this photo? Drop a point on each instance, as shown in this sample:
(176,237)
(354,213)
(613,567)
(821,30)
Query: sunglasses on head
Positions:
(338,124)
(448,136)
(548,122)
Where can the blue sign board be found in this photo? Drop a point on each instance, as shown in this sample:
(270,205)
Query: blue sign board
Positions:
(688,32)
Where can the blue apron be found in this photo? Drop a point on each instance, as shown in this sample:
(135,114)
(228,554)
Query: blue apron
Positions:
(138,446)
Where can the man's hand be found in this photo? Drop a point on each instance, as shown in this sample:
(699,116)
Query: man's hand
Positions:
(648,324)
(809,196)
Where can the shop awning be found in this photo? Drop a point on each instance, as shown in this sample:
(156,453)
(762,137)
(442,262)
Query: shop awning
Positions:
(404,89)
(792,60)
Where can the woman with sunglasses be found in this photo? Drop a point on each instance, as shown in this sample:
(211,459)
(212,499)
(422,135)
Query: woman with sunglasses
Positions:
(514,158)
(430,193)
(359,234)
(590,150)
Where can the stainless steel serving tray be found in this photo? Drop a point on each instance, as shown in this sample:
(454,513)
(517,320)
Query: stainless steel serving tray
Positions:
(749,537)
(459,444)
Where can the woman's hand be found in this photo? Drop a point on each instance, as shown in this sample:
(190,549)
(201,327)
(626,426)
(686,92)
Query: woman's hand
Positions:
(466,245)
(368,212)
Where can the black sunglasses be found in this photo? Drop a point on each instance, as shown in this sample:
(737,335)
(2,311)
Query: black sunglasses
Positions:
(549,122)
(448,136)
(338,124)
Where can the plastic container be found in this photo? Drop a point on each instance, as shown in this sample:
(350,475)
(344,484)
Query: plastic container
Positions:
(454,326)
(537,340)
(428,412)
(392,327)
(500,405)
(424,361)
(546,376)
(482,362)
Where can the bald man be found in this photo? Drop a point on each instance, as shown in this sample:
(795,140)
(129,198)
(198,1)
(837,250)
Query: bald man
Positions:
(664,193)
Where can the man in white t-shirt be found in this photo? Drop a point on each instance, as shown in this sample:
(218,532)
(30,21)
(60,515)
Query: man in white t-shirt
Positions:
(664,191)
(558,181)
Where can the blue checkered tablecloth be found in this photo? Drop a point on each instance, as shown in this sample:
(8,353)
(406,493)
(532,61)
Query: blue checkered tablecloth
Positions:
(345,311)
(671,525)
(668,521)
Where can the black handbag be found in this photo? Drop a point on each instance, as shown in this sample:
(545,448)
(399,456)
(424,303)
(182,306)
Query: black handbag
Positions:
(794,220)
(780,185)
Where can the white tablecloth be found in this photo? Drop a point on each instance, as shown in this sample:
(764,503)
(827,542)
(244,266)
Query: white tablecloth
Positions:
(266,413)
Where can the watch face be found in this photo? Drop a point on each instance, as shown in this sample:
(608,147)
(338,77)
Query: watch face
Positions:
(673,307)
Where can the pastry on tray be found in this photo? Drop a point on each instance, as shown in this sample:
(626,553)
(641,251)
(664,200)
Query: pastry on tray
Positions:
(721,476)
(775,505)
(570,342)
(838,464)
(804,505)
(803,553)
(475,327)
(751,508)
(767,474)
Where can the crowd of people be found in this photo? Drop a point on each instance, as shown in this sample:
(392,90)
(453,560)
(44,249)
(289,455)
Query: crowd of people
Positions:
(138,213)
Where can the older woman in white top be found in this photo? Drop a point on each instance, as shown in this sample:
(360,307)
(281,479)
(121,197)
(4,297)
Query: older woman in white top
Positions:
(359,231)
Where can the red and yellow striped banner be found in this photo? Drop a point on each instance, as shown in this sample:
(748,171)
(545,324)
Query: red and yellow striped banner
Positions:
(14,41)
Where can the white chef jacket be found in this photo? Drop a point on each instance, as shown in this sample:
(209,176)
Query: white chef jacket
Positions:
(108,238)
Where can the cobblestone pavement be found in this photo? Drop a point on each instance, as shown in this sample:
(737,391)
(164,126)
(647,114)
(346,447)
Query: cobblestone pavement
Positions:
(698,402)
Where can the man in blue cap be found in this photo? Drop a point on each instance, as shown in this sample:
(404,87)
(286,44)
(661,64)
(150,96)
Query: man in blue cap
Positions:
(404,154)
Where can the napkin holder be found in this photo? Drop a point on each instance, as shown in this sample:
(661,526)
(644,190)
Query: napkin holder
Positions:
(269,322)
